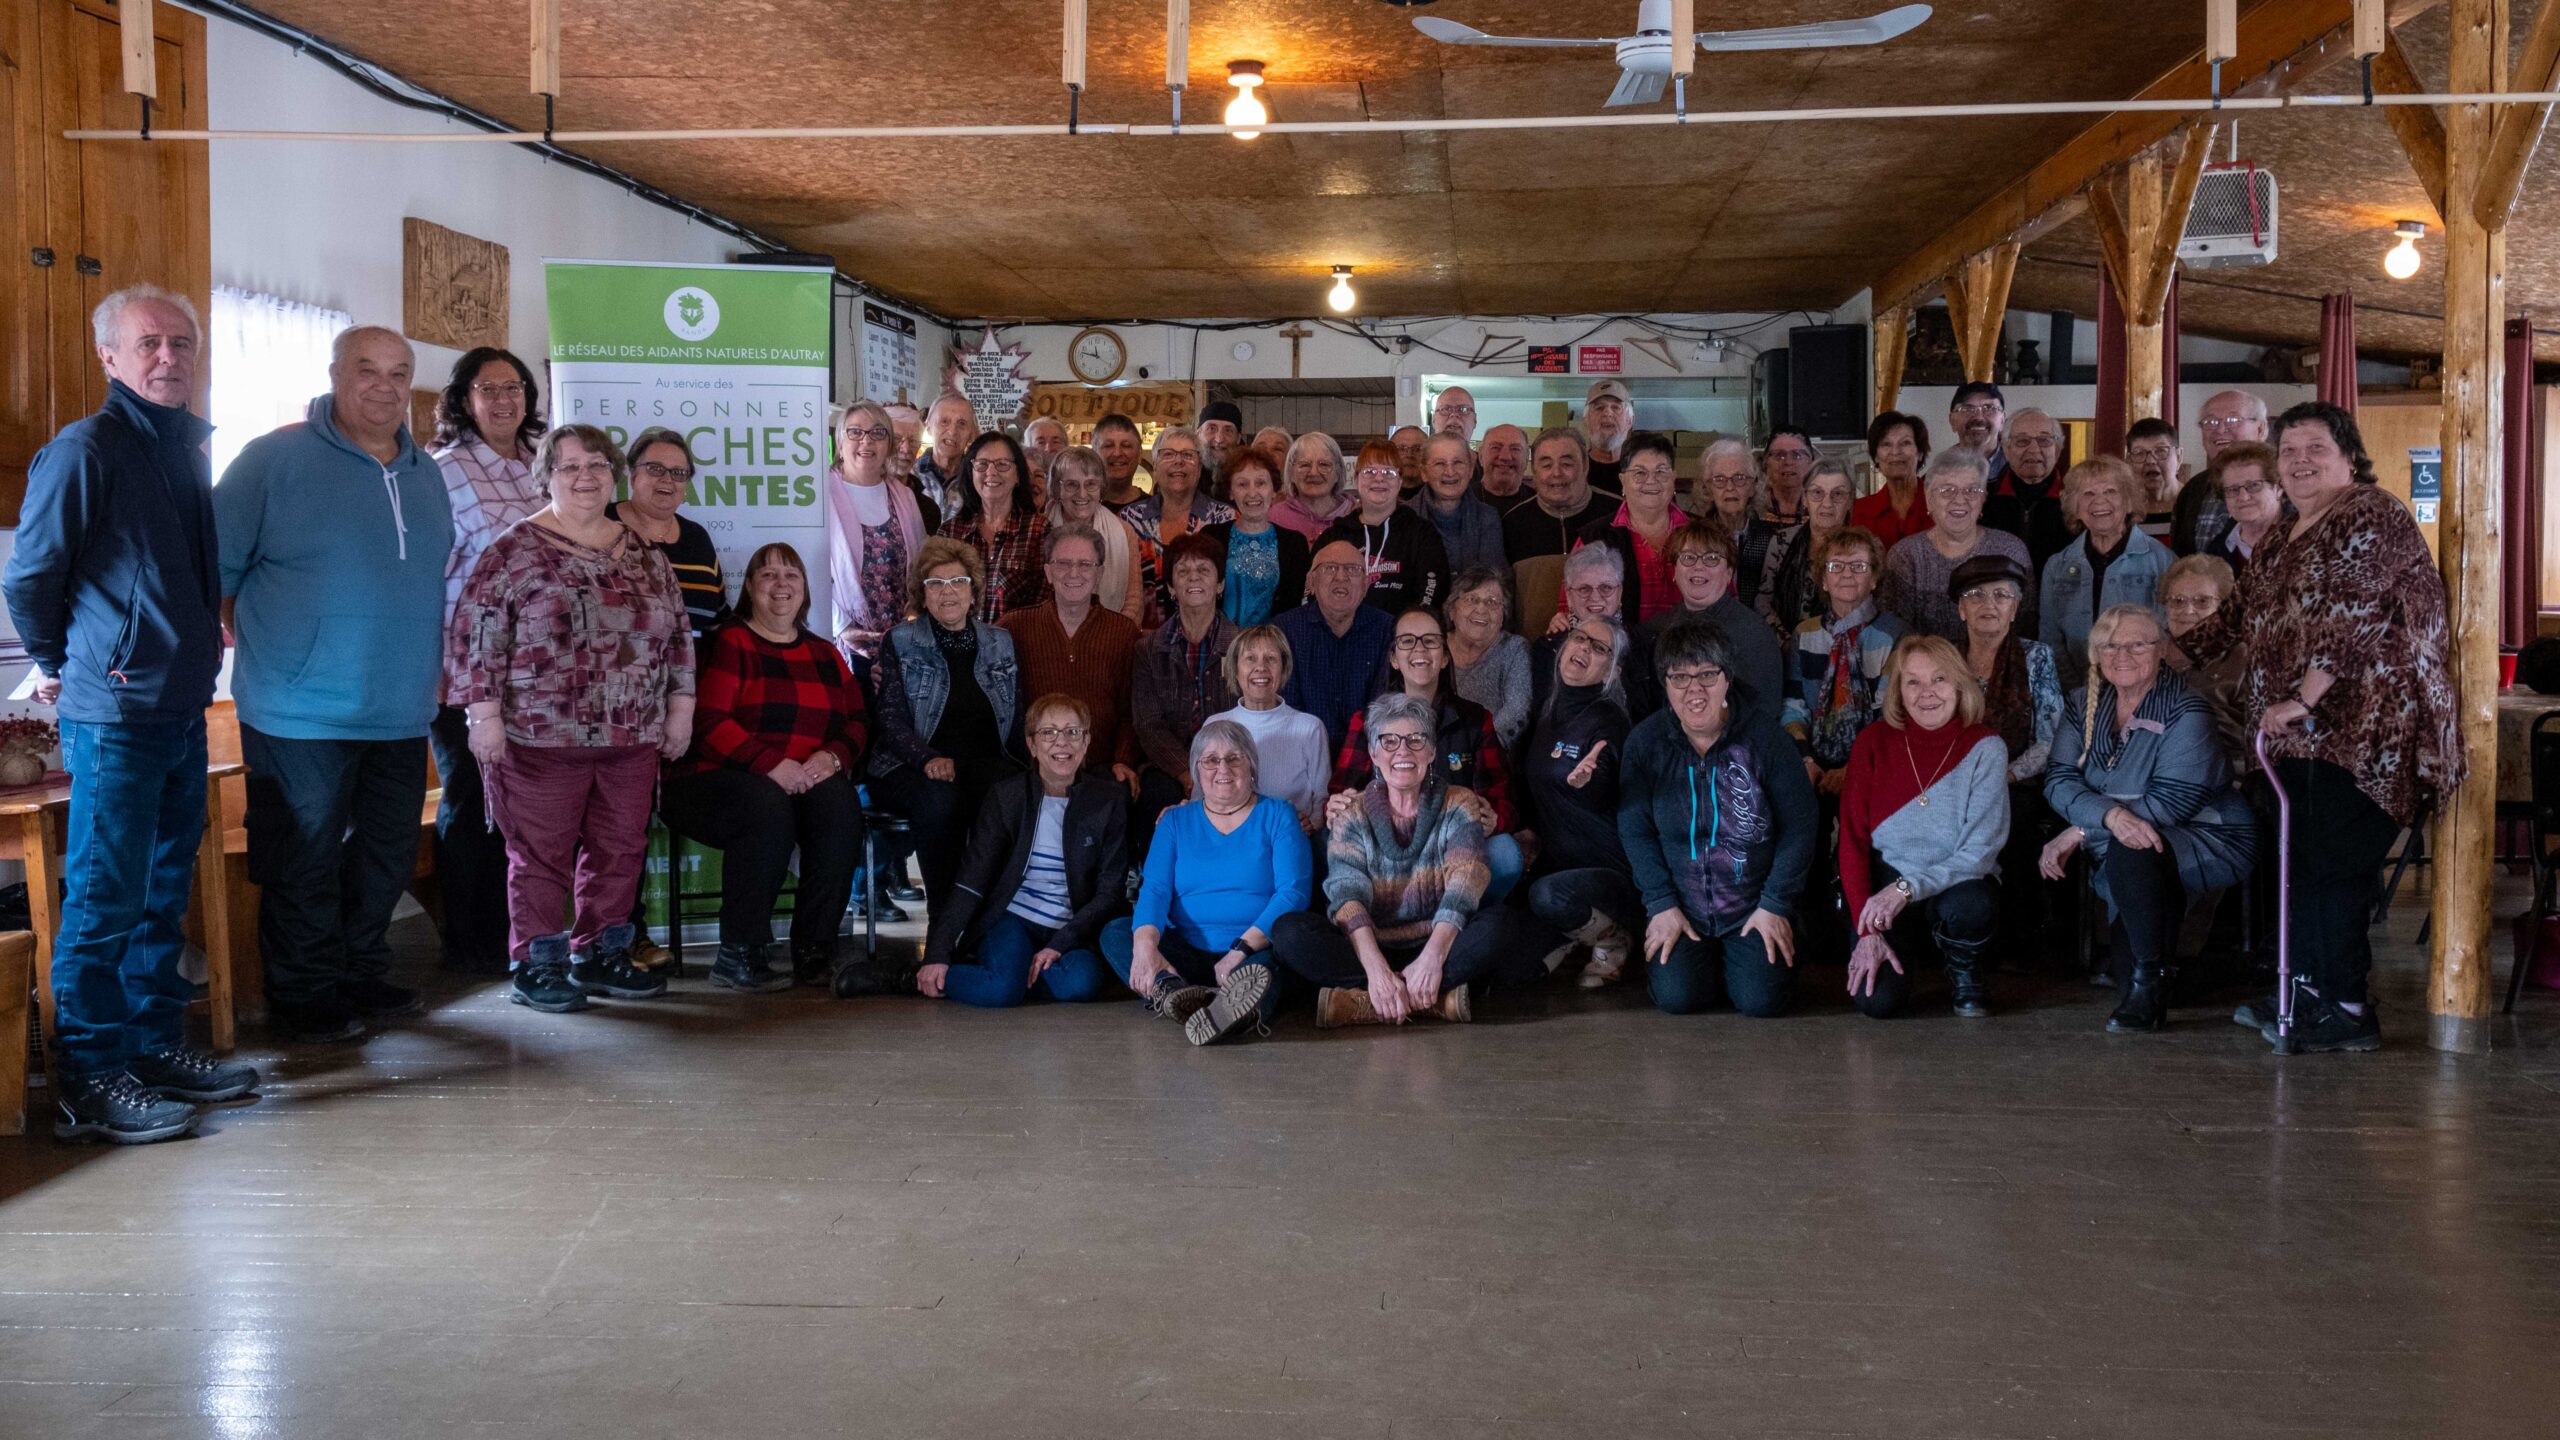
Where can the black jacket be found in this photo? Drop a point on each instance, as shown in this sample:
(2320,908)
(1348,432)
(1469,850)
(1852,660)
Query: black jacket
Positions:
(1294,551)
(2034,516)
(999,852)
(116,583)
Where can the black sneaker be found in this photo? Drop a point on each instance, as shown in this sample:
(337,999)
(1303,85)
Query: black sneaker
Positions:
(116,1109)
(904,890)
(747,969)
(2321,1026)
(607,969)
(857,979)
(330,1022)
(380,999)
(542,981)
(1234,1004)
(881,908)
(179,1073)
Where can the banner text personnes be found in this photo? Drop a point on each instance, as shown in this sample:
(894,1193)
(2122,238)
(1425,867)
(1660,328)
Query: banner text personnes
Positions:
(732,357)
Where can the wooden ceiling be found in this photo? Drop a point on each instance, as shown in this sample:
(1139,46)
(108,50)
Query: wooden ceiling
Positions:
(1703,219)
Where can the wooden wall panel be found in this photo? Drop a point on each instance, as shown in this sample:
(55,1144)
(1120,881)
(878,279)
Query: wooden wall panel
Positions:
(26,408)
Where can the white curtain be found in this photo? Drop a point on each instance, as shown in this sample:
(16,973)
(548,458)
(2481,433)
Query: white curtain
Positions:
(270,356)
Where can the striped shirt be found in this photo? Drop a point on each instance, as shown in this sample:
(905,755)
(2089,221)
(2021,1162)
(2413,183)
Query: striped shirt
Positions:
(696,562)
(1042,898)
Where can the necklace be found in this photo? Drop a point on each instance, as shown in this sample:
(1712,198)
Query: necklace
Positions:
(1943,768)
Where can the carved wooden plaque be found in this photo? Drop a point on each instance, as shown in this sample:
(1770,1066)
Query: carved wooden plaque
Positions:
(453,286)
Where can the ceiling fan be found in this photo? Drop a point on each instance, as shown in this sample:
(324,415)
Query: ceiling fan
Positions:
(1644,58)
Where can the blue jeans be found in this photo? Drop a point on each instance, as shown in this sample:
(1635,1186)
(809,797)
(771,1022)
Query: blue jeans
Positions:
(1697,972)
(1002,977)
(1503,863)
(137,813)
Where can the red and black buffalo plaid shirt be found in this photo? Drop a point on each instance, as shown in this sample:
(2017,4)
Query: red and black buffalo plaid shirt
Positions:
(1469,755)
(758,704)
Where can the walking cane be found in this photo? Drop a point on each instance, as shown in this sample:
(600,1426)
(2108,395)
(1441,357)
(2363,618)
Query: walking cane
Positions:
(2284,906)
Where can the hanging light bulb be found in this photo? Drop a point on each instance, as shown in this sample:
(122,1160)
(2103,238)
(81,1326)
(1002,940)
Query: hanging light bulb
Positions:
(1340,296)
(1245,114)
(2401,261)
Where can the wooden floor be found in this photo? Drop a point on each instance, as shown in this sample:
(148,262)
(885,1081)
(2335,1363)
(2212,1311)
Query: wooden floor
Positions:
(712,1217)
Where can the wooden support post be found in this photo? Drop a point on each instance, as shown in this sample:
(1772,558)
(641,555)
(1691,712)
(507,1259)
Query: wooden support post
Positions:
(1892,347)
(2419,127)
(2138,239)
(546,47)
(2458,988)
(1177,46)
(2519,127)
(141,54)
(2221,31)
(2372,22)
(1684,37)
(1977,303)
(1071,47)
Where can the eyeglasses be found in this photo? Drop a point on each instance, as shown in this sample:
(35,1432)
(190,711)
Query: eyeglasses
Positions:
(991,467)
(2128,647)
(505,390)
(1703,560)
(2243,489)
(1955,492)
(1651,474)
(1847,567)
(2192,602)
(1593,594)
(1377,472)
(1698,679)
(1978,409)
(2225,424)
(938,582)
(1337,568)
(1390,744)
(1576,640)
(876,434)
(582,467)
(1445,409)
(2032,442)
(1426,643)
(681,474)
(1223,760)
(1048,733)
(1483,600)
(1988,594)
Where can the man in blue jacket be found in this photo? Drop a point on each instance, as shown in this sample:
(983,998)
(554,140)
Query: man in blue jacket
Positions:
(113,586)
(334,538)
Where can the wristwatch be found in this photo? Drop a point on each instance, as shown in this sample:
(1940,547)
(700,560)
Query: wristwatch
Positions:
(1904,886)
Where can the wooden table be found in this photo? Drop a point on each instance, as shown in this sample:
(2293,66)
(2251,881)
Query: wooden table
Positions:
(31,819)
(2516,712)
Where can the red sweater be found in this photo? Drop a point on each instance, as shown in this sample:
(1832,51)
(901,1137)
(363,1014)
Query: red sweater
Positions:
(1888,768)
(759,704)
(1875,513)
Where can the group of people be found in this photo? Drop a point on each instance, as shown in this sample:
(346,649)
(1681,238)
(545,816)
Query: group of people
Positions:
(1371,736)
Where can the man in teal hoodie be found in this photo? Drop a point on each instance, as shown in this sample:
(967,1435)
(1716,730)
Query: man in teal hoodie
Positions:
(334,535)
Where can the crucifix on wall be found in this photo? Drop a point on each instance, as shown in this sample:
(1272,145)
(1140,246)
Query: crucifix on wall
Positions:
(1296,334)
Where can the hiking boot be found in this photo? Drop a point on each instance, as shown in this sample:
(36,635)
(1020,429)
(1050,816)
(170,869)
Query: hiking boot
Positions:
(606,969)
(542,981)
(1455,1006)
(1177,999)
(648,955)
(1228,1007)
(2320,1026)
(2145,1007)
(327,1022)
(748,969)
(380,999)
(179,1073)
(1340,1005)
(114,1107)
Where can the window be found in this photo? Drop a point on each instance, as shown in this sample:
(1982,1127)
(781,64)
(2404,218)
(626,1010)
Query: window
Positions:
(269,357)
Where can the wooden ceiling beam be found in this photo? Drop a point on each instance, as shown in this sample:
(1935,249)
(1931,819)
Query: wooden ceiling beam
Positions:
(1892,347)
(2115,245)
(2420,128)
(2151,301)
(2519,127)
(546,47)
(1977,301)
(2282,43)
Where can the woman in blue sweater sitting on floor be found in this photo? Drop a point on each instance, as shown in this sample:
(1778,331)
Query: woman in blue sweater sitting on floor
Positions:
(1221,872)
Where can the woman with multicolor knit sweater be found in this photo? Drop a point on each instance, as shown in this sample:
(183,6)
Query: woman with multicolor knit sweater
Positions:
(1404,933)
(1923,814)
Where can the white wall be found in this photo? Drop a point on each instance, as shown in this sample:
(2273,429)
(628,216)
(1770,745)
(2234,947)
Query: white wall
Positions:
(320,222)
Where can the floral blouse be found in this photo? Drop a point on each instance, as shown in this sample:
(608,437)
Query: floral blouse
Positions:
(2356,595)
(578,646)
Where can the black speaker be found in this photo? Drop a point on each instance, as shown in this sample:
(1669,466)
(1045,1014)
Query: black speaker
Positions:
(1768,394)
(1827,380)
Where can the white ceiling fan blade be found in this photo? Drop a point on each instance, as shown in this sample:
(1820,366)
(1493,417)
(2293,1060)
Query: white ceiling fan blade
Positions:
(1450,32)
(1638,88)
(1873,30)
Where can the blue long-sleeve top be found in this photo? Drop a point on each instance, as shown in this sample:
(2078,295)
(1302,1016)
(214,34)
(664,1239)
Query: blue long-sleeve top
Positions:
(1210,888)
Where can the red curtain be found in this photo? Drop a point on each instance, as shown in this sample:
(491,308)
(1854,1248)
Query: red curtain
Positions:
(2168,355)
(2338,351)
(2519,495)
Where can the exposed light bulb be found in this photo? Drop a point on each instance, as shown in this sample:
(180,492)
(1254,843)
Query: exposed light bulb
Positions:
(1245,113)
(2402,260)
(1340,296)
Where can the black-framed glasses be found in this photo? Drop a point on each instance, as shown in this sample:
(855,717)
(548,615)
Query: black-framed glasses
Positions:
(1417,642)
(504,390)
(681,474)
(876,434)
(1390,744)
(1698,679)
(1047,733)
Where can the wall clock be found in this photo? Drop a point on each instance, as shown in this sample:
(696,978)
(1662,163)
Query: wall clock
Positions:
(1097,356)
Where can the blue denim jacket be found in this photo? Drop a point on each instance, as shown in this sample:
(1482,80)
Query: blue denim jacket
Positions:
(2133,578)
(915,684)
